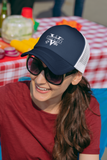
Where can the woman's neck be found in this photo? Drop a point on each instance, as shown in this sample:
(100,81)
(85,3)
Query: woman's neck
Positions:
(50,106)
(47,106)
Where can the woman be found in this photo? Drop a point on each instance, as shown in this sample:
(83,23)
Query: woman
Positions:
(54,116)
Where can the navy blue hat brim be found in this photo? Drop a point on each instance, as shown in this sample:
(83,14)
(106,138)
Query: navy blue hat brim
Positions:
(52,60)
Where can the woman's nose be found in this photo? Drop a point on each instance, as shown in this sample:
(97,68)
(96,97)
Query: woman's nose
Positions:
(40,79)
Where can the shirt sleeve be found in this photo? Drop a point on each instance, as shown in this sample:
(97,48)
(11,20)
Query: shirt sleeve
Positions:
(93,121)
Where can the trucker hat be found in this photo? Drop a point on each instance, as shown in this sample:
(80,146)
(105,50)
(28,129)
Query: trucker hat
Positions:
(62,49)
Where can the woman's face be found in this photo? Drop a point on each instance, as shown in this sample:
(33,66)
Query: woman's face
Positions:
(44,91)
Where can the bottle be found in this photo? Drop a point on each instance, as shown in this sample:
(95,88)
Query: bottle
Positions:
(27,12)
(3,13)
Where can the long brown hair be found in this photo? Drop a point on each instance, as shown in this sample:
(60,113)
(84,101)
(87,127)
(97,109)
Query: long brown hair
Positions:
(72,134)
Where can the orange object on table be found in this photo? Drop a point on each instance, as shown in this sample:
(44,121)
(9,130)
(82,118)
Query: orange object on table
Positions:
(73,24)
(3,44)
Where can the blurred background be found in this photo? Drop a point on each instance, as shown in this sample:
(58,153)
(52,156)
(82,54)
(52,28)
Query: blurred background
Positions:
(94,10)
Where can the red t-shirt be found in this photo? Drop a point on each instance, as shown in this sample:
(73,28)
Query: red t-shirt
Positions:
(28,132)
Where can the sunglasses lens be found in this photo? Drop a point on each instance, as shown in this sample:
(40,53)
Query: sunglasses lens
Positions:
(52,78)
(34,66)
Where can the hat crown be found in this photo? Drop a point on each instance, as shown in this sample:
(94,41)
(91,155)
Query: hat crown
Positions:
(64,41)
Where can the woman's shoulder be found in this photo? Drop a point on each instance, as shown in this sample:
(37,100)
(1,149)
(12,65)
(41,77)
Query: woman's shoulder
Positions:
(92,113)
(93,106)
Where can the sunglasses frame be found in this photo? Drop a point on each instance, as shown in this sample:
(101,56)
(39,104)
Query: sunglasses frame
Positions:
(45,71)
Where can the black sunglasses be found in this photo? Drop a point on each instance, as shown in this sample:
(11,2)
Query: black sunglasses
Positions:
(35,67)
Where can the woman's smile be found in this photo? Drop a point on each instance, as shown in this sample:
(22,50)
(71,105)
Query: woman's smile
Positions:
(42,89)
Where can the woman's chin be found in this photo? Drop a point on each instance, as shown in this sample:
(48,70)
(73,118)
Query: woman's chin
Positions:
(40,97)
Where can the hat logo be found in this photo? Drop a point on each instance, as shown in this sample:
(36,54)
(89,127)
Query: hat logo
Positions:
(54,39)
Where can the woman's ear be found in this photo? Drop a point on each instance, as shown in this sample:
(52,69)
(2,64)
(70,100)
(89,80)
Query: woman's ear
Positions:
(77,78)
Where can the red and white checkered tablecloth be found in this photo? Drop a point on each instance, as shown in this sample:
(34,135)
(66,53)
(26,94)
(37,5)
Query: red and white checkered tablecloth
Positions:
(96,70)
